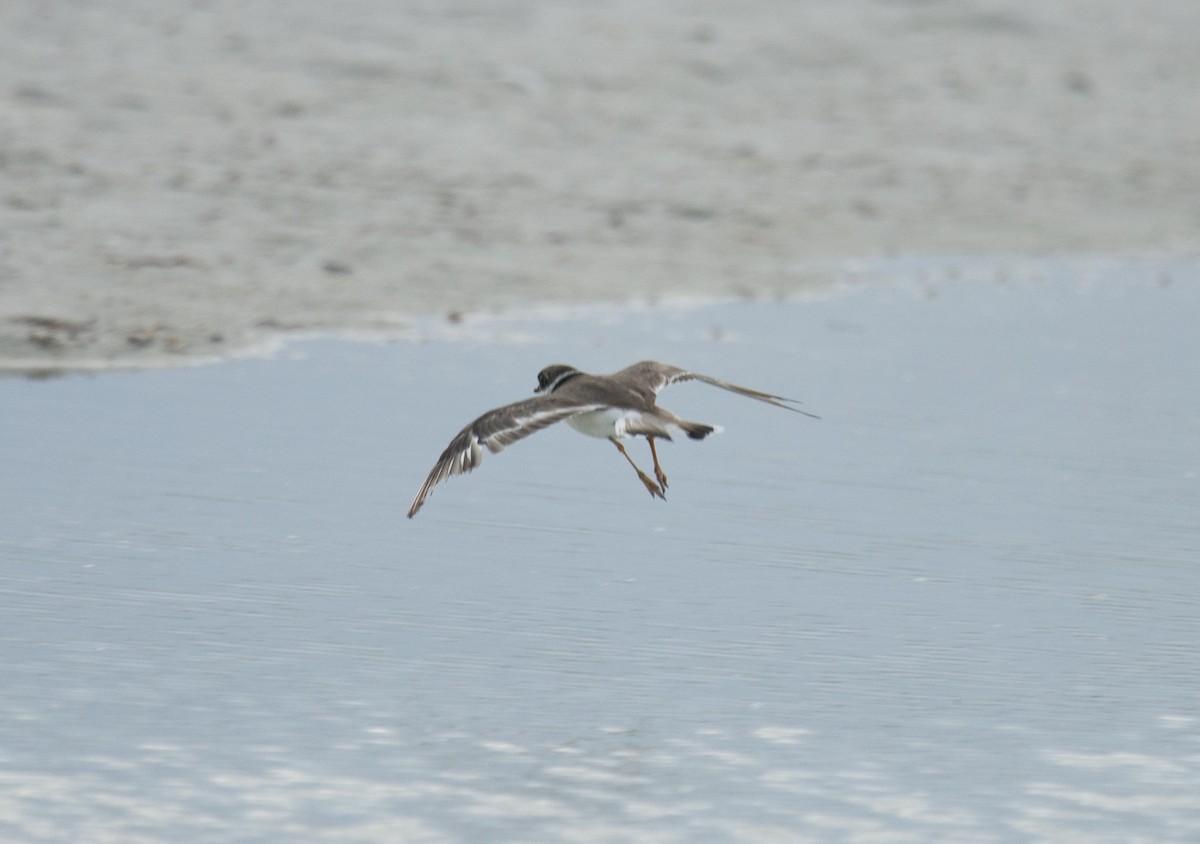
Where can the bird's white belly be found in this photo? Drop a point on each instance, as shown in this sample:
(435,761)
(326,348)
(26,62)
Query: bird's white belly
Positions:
(609,422)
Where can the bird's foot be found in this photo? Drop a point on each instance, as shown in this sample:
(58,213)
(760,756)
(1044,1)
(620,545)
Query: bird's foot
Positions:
(652,487)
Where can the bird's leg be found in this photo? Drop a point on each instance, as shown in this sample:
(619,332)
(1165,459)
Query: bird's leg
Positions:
(654,488)
(658,472)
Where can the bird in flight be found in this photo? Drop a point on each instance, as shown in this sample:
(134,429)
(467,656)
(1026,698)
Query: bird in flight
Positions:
(607,406)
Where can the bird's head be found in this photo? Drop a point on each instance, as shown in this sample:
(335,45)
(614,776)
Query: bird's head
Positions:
(552,377)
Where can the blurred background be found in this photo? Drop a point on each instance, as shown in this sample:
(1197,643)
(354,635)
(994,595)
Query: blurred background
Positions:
(961,606)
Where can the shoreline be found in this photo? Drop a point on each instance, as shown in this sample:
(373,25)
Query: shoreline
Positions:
(926,276)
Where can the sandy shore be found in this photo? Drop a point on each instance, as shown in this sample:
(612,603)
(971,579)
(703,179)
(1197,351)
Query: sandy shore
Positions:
(183,179)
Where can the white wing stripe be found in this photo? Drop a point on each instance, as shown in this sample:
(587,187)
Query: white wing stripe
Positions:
(507,425)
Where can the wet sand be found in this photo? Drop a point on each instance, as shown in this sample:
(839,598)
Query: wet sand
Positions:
(184,180)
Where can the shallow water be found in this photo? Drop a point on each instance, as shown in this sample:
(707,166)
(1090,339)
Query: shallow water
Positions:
(964,605)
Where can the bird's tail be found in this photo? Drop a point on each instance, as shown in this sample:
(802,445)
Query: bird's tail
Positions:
(695,430)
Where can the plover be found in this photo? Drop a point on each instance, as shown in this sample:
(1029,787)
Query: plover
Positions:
(606,406)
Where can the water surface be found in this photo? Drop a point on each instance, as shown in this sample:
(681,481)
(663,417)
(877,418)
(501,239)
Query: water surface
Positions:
(964,605)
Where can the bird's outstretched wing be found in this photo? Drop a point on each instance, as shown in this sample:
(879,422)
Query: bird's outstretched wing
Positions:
(496,429)
(658,375)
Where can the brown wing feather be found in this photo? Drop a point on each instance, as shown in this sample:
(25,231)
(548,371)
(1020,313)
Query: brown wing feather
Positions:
(658,375)
(495,429)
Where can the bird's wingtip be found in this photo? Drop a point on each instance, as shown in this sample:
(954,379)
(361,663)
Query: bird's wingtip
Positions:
(415,506)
